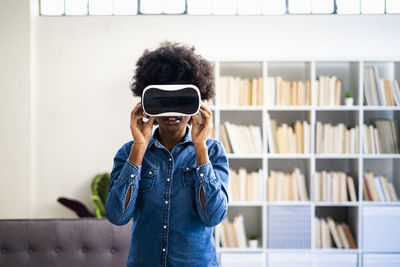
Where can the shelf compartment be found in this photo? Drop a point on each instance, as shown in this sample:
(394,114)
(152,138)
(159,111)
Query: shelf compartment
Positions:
(346,214)
(252,222)
(350,119)
(390,168)
(381,228)
(289,227)
(235,186)
(348,166)
(347,72)
(288,166)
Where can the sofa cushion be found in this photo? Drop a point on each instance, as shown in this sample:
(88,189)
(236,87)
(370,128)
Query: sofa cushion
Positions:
(79,242)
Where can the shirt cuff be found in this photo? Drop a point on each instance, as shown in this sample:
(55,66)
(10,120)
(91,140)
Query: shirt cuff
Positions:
(129,172)
(205,173)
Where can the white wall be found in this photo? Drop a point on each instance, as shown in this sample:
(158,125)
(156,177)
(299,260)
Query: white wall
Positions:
(15,109)
(82,67)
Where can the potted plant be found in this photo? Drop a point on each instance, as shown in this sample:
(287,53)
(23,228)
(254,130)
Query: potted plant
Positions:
(349,98)
(253,242)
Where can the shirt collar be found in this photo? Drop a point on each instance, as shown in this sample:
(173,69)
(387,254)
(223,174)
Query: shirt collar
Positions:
(154,140)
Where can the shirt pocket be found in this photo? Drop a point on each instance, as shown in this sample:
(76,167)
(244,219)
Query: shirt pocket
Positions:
(189,176)
(147,179)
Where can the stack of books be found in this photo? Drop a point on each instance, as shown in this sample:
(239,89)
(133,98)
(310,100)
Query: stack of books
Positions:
(336,139)
(288,139)
(378,188)
(233,234)
(329,234)
(245,186)
(241,139)
(238,91)
(328,91)
(286,93)
(334,187)
(286,186)
(378,91)
(381,137)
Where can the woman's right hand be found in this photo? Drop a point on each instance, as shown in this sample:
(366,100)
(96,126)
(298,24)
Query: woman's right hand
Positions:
(141,131)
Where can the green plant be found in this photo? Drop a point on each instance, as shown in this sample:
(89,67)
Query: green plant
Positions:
(165,42)
(348,94)
(100,186)
(252,237)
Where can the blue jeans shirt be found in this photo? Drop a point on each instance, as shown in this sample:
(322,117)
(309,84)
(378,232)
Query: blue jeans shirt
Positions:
(170,226)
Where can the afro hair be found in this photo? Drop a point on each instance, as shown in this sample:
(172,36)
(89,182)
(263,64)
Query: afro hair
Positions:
(174,63)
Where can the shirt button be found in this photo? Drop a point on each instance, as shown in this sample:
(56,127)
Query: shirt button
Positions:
(163,249)
(168,179)
(170,159)
(201,174)
(150,173)
(132,175)
(187,168)
(166,201)
(165,227)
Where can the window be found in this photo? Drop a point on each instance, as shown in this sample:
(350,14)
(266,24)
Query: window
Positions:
(217,7)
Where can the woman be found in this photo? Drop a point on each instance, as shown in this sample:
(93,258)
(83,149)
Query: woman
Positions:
(172,182)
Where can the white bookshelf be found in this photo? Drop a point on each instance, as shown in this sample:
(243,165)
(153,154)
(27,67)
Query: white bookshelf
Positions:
(256,213)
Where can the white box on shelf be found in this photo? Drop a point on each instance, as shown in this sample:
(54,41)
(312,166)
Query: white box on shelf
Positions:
(242,259)
(381,228)
(276,259)
(334,260)
(379,260)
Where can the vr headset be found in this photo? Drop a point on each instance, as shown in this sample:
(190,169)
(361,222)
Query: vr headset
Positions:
(171,100)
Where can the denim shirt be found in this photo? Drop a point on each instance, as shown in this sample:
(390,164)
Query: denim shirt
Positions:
(170,226)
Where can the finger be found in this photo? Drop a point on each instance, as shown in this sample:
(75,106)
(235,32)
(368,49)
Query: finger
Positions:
(206,117)
(204,107)
(195,119)
(208,121)
(137,107)
(137,119)
(151,120)
(205,114)
(134,111)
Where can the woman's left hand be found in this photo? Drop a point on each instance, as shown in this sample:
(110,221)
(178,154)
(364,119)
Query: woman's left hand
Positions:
(200,132)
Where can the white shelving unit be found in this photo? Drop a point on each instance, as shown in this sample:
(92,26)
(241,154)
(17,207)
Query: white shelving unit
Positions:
(356,214)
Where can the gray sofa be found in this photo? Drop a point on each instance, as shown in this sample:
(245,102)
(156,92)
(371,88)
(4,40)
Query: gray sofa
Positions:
(82,242)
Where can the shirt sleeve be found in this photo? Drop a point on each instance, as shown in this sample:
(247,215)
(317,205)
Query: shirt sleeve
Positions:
(213,177)
(124,175)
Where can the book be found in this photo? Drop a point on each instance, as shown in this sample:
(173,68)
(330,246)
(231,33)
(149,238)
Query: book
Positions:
(378,188)
(379,91)
(288,139)
(381,137)
(331,139)
(241,139)
(329,233)
(288,93)
(328,91)
(342,236)
(351,188)
(333,187)
(349,236)
(286,186)
(245,185)
(238,91)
